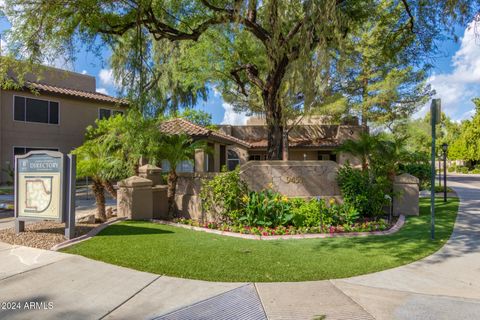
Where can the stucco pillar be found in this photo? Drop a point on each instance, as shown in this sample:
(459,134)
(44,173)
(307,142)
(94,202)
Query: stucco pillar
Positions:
(151,172)
(134,198)
(200,160)
(406,195)
(216,157)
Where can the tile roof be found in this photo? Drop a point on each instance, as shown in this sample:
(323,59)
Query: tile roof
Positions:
(179,126)
(182,126)
(75,93)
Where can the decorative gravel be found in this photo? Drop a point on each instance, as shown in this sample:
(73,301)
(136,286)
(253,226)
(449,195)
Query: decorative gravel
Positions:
(42,235)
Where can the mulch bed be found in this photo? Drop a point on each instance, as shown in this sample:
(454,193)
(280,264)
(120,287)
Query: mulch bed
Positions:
(42,235)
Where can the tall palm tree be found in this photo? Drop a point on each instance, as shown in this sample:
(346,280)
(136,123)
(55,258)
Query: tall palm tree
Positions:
(175,149)
(94,161)
(363,148)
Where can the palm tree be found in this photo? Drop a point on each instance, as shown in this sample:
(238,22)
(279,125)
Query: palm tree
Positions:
(94,161)
(363,148)
(175,149)
(389,153)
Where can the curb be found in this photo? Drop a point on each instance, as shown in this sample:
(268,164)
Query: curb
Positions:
(86,236)
(398,225)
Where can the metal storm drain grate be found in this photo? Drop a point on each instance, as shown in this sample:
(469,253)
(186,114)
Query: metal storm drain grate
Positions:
(237,304)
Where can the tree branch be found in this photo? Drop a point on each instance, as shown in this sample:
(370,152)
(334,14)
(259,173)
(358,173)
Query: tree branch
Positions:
(252,74)
(409,12)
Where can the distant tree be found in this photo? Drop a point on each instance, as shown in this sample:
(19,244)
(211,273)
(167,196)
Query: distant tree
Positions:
(196,116)
(417,133)
(467,145)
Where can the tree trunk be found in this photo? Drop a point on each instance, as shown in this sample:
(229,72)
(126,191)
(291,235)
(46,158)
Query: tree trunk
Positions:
(98,191)
(171,188)
(274,124)
(110,189)
(285,144)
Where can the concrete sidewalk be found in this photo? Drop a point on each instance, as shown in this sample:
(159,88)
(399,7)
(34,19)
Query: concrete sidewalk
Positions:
(445,285)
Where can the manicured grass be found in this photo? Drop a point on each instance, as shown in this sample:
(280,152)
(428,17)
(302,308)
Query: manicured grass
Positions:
(189,254)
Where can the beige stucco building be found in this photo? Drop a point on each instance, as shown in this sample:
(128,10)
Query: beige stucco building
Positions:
(232,145)
(51,112)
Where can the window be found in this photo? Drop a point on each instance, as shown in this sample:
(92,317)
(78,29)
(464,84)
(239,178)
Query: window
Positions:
(257,157)
(107,113)
(35,110)
(183,166)
(232,160)
(322,155)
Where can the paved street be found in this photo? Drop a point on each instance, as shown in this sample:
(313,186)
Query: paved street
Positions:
(445,285)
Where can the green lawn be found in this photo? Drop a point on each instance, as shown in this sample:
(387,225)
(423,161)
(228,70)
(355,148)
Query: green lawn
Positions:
(189,254)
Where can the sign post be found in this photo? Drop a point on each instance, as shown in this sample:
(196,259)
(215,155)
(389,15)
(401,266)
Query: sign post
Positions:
(435,118)
(70,196)
(43,189)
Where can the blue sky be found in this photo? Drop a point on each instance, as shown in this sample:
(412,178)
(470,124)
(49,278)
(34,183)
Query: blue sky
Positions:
(455,77)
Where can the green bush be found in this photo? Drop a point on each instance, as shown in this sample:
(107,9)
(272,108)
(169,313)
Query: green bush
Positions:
(362,192)
(451,169)
(475,171)
(462,169)
(420,170)
(345,214)
(310,213)
(266,208)
(221,196)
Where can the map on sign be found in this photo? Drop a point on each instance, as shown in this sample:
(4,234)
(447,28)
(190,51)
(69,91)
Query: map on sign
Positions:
(39,185)
(38,193)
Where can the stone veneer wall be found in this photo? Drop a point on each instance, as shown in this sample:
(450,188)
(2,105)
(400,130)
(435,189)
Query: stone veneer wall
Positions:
(293,178)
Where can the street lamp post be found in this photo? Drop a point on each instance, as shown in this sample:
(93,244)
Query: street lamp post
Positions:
(444,148)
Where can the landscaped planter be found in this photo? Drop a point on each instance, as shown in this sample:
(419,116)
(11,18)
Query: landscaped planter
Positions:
(261,233)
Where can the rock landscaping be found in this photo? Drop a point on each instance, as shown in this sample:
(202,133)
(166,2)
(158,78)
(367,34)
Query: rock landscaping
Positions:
(42,235)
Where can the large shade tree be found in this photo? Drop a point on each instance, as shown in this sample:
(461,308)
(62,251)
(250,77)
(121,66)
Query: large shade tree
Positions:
(272,53)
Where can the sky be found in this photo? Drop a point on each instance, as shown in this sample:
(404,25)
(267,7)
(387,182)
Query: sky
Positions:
(455,77)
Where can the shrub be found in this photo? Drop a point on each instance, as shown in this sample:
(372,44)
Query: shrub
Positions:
(310,213)
(475,171)
(343,214)
(221,196)
(420,170)
(462,169)
(363,193)
(266,208)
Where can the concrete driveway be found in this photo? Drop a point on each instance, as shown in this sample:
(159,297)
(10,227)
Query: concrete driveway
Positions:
(50,285)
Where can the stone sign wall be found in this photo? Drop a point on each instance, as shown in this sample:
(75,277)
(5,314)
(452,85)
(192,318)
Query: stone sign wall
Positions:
(293,178)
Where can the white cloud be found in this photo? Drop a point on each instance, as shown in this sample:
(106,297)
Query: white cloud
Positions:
(457,88)
(232,117)
(84,72)
(106,77)
(102,90)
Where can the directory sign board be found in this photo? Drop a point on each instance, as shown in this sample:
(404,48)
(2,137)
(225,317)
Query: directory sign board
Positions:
(39,185)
